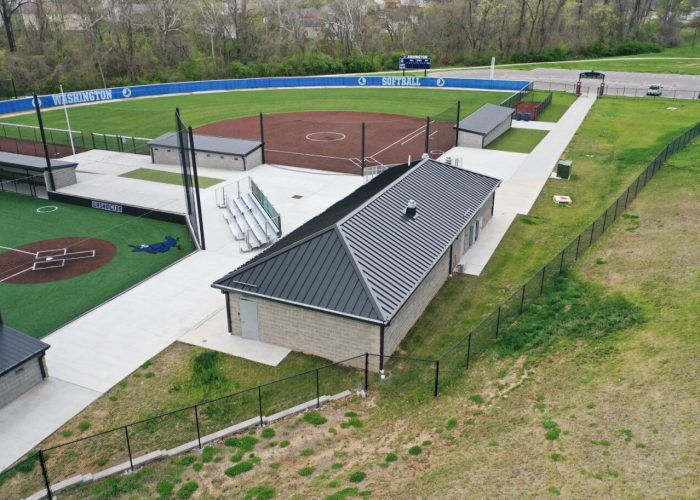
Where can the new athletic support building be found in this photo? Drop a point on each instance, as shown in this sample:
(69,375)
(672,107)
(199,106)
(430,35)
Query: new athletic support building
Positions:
(484,126)
(355,278)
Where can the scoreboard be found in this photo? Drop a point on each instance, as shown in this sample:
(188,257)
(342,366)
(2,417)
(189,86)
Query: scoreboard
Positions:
(414,62)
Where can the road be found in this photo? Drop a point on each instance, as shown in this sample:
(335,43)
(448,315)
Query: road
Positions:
(685,86)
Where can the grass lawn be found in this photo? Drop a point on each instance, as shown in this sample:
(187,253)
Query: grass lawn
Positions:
(518,140)
(38,309)
(150,174)
(152,117)
(631,64)
(603,407)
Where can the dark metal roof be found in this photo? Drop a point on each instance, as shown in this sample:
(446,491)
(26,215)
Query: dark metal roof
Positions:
(363,257)
(16,348)
(35,163)
(210,144)
(485,119)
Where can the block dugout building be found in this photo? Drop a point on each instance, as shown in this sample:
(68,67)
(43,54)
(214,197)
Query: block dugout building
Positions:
(22,363)
(484,126)
(355,278)
(210,151)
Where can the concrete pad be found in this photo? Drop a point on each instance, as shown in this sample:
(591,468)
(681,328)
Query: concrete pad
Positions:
(533,125)
(499,164)
(37,413)
(213,334)
(474,261)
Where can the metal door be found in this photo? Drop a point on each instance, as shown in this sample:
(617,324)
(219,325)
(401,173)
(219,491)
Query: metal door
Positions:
(248,312)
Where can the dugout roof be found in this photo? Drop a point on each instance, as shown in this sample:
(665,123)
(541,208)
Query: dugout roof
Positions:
(363,257)
(17,348)
(485,119)
(210,144)
(35,163)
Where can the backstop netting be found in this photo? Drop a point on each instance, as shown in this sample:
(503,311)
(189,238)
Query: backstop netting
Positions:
(190,181)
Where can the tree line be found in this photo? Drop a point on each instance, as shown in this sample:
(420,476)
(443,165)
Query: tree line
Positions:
(94,43)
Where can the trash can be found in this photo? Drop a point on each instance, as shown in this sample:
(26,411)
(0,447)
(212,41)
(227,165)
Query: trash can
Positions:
(564,169)
(526,117)
(518,116)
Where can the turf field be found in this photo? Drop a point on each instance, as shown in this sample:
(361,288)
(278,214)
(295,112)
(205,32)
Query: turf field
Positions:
(38,309)
(155,116)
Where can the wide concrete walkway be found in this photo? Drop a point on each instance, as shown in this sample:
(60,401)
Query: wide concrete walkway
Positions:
(94,352)
(522,183)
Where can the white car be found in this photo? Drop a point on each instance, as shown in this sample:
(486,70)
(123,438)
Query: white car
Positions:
(654,90)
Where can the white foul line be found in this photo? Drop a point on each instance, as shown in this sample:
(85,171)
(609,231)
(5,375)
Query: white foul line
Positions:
(33,254)
(417,131)
(16,274)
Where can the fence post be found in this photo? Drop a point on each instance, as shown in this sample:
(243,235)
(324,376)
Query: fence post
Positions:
(592,232)
(45,474)
(578,244)
(498,321)
(617,202)
(561,263)
(128,447)
(260,405)
(366,371)
(196,421)
(522,299)
(605,219)
(544,272)
(92,136)
(469,348)
(437,377)
(318,391)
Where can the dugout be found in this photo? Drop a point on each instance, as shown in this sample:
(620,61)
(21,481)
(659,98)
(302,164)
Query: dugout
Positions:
(22,363)
(24,173)
(210,151)
(484,126)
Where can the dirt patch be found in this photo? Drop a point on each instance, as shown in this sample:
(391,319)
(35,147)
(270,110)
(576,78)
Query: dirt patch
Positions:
(332,140)
(527,107)
(34,148)
(53,260)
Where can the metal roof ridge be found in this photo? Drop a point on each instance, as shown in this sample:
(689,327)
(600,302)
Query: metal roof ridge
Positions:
(363,279)
(380,193)
(254,263)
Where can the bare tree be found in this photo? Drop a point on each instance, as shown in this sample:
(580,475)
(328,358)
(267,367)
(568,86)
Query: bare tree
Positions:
(345,23)
(165,18)
(8,8)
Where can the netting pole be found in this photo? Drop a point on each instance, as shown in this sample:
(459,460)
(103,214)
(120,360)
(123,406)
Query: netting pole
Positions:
(366,371)
(128,447)
(43,471)
(427,134)
(260,405)
(262,137)
(37,105)
(459,105)
(318,391)
(196,188)
(437,378)
(362,154)
(469,348)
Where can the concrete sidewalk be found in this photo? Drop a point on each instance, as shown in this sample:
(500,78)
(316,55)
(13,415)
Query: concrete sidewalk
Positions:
(521,185)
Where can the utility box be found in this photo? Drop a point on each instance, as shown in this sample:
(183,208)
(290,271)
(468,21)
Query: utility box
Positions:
(564,169)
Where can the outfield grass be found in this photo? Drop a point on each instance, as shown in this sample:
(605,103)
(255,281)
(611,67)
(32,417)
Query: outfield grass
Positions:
(150,174)
(41,308)
(518,140)
(560,104)
(154,116)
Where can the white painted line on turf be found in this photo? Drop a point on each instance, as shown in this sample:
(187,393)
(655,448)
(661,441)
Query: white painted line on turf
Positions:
(16,274)
(20,251)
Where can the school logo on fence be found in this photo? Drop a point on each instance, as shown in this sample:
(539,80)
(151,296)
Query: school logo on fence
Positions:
(362,80)
(82,96)
(126,92)
(440,82)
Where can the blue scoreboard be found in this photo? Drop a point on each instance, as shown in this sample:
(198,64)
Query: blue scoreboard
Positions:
(414,62)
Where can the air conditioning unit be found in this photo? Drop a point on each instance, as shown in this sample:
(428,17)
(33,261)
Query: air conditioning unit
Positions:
(448,160)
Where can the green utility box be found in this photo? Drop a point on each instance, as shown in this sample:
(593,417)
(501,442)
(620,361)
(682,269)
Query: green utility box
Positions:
(564,169)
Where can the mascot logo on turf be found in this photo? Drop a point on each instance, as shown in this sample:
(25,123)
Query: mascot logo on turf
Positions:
(158,247)
(362,81)
(126,92)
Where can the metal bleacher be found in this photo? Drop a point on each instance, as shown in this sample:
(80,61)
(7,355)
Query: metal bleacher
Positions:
(248,222)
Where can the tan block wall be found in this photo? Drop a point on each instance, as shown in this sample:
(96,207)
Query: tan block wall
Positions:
(415,305)
(497,132)
(313,332)
(469,140)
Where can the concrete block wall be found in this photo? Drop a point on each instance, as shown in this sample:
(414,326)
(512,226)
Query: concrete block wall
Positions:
(20,380)
(63,177)
(415,305)
(313,332)
(497,132)
(171,156)
(469,140)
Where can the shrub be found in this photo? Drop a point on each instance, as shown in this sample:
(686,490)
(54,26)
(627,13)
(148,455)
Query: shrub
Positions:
(268,433)
(306,471)
(476,398)
(337,466)
(307,452)
(451,424)
(284,444)
(187,490)
(186,460)
(357,477)
(165,488)
(315,418)
(260,493)
(391,457)
(238,456)
(84,425)
(206,370)
(415,450)
(238,469)
(246,443)
(208,454)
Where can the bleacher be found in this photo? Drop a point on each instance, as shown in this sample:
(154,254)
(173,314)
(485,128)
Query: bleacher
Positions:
(248,222)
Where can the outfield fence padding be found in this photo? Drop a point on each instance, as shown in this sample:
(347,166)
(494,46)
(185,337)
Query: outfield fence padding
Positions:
(99,95)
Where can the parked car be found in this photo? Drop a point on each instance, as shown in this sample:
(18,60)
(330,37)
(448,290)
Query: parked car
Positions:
(655,90)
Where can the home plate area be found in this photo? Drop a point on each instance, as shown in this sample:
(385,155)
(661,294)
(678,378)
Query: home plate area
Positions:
(52,260)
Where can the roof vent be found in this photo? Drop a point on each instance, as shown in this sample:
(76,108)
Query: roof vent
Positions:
(411,208)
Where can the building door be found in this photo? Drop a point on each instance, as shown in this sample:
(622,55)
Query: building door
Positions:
(248,312)
(477,229)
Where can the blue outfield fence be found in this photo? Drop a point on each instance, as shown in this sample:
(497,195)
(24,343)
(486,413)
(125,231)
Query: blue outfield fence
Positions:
(101,95)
